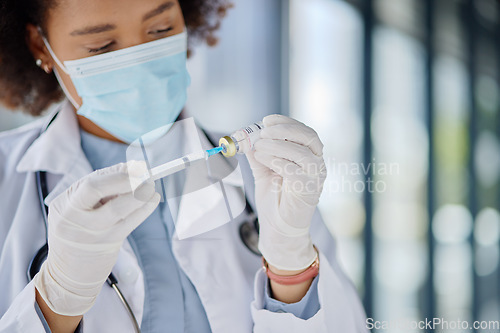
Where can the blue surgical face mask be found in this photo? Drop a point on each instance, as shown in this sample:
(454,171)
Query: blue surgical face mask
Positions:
(133,91)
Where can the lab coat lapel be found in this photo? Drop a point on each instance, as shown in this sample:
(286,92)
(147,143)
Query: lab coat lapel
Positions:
(58,151)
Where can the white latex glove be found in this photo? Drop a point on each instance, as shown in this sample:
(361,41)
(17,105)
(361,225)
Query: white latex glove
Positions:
(87,226)
(289,173)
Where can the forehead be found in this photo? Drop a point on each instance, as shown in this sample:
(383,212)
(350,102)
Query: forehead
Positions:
(68,14)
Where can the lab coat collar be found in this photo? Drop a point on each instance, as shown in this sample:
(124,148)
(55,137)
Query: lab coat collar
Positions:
(58,151)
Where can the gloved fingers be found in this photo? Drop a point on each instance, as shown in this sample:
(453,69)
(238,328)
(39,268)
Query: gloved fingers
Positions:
(277,165)
(137,169)
(277,119)
(294,132)
(93,223)
(293,152)
(300,193)
(140,215)
(139,176)
(101,185)
(144,190)
(258,169)
(294,177)
(122,206)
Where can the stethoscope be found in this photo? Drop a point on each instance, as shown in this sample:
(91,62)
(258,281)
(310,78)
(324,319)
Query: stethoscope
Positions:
(249,234)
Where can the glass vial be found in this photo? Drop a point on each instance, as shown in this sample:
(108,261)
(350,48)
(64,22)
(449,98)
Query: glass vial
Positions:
(241,141)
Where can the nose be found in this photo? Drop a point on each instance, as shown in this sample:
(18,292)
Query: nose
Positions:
(134,36)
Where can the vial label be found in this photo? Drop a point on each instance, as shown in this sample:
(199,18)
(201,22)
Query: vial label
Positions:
(253,128)
(246,137)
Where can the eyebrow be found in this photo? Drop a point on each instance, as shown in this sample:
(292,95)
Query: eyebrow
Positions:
(93,29)
(161,9)
(108,27)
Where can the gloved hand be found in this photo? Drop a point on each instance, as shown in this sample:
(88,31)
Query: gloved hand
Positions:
(289,173)
(87,226)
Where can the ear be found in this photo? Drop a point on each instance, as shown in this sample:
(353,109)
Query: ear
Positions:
(37,47)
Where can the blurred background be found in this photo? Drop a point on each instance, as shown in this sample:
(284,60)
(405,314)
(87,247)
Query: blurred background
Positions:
(405,96)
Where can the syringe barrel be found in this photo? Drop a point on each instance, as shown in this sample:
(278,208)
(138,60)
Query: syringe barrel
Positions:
(242,140)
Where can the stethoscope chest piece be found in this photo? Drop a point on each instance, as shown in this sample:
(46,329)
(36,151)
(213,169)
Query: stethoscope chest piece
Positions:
(249,234)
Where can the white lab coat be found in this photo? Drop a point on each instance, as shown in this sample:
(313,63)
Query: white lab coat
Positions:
(226,275)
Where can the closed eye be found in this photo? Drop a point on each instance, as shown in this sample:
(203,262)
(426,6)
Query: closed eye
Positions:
(100,49)
(161,31)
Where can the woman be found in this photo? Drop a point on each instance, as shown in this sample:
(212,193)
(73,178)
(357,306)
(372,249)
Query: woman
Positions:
(122,66)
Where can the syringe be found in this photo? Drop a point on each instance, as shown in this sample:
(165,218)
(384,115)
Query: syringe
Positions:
(179,164)
(241,141)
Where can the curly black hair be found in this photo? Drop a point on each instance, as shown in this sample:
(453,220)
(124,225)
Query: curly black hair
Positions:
(24,86)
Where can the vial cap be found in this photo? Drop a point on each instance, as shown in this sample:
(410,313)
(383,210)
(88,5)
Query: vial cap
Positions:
(227,142)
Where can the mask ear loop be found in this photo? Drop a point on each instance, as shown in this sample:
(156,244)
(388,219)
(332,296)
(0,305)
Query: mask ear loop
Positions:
(60,64)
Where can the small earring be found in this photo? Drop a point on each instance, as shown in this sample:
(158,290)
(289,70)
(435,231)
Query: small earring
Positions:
(39,62)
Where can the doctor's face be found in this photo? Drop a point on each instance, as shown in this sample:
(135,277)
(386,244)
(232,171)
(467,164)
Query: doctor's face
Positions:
(78,29)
